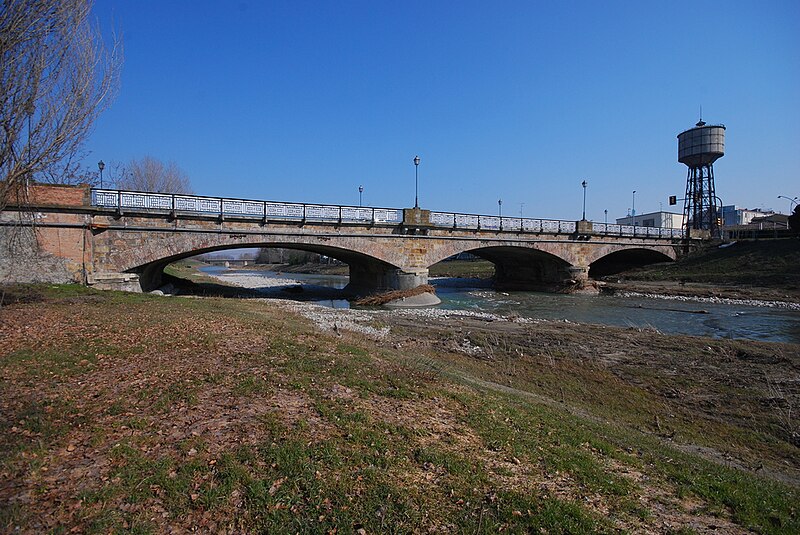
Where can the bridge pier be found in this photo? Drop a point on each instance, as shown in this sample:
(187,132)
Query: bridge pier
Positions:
(125,282)
(580,282)
(544,275)
(579,274)
(367,279)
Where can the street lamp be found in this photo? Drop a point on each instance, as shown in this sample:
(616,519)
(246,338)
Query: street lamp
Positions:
(633,212)
(500,212)
(360,191)
(605,216)
(792,201)
(416,181)
(101,165)
(584,200)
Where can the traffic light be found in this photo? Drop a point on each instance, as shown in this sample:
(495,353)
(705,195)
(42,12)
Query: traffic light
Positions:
(673,200)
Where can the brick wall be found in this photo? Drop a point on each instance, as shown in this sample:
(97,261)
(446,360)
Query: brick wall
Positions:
(52,195)
(56,248)
(56,195)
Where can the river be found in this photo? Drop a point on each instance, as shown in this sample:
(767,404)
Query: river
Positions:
(718,320)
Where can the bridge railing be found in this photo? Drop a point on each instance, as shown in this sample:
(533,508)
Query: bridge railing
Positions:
(547,226)
(271,210)
(492,222)
(127,200)
(639,231)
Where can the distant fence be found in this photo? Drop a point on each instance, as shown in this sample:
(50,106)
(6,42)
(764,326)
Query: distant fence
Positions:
(281,211)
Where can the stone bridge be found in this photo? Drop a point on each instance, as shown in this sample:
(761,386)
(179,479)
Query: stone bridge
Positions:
(123,240)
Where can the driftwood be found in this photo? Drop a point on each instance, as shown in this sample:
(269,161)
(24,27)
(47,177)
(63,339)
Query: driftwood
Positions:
(382,299)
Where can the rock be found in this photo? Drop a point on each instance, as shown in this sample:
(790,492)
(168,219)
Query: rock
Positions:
(420,300)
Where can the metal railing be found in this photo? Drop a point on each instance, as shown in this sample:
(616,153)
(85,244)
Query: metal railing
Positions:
(218,206)
(501,224)
(638,231)
(281,211)
(547,226)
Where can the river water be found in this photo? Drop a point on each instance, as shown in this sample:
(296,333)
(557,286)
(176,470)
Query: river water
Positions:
(718,320)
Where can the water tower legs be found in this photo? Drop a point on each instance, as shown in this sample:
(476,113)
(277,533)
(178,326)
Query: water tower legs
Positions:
(700,208)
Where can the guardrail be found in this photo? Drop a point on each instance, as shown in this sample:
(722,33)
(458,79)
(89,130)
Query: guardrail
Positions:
(270,210)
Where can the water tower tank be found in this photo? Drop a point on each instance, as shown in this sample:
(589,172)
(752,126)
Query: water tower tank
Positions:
(701,145)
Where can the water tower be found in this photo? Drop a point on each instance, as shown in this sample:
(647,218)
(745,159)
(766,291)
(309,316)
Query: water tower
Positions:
(698,149)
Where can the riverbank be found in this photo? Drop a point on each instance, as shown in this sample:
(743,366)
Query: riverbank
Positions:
(151,414)
(705,293)
(765,270)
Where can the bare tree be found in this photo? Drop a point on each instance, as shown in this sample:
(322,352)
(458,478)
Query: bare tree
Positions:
(277,255)
(150,174)
(68,171)
(56,77)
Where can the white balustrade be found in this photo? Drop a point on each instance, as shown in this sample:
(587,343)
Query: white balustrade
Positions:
(122,200)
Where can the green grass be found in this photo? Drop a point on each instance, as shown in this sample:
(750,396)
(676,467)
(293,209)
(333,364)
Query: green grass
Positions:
(482,269)
(343,433)
(52,362)
(34,429)
(560,443)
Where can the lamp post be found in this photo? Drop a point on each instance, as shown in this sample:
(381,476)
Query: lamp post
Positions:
(360,191)
(792,201)
(633,212)
(583,218)
(416,181)
(101,165)
(605,216)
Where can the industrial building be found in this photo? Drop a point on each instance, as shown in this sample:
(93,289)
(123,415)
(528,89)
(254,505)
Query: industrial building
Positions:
(654,219)
(733,216)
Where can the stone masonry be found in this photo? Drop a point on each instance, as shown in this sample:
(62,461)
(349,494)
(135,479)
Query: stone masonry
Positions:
(96,246)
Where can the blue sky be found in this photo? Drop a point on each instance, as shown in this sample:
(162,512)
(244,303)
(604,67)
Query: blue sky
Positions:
(519,101)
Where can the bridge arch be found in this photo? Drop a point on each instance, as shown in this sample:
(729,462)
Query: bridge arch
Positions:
(371,268)
(623,258)
(524,267)
(517,265)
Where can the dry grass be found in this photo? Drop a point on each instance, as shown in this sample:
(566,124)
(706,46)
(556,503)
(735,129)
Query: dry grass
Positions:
(149,414)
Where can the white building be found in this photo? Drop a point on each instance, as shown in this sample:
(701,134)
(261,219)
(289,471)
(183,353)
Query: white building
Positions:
(733,216)
(654,219)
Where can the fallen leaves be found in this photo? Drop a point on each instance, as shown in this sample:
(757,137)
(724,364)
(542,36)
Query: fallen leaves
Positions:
(276,485)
